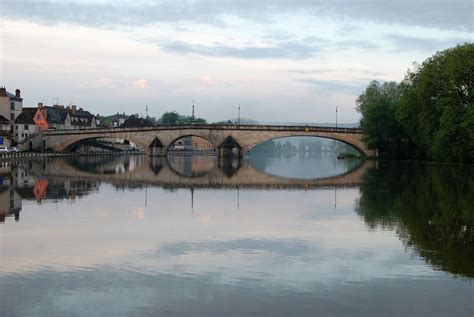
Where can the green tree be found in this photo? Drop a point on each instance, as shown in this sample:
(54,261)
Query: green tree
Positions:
(378,105)
(169,118)
(436,106)
(173,118)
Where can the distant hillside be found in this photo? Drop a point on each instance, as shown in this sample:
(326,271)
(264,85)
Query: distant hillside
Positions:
(318,124)
(242,121)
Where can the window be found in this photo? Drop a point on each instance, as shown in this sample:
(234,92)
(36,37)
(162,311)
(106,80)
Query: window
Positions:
(12,105)
(26,127)
(38,117)
(12,116)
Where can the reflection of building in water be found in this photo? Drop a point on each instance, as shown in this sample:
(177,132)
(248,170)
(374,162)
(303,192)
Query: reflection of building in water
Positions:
(189,143)
(10,201)
(25,182)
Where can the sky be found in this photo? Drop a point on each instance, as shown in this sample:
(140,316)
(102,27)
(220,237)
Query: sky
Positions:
(281,61)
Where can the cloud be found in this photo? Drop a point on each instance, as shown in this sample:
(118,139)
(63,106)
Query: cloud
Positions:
(283,247)
(288,50)
(422,44)
(207,80)
(336,86)
(106,83)
(140,83)
(453,14)
(315,71)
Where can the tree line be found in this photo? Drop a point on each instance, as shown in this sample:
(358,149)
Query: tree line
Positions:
(427,116)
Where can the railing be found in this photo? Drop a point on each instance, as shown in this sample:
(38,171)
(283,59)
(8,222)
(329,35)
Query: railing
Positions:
(26,155)
(305,128)
(23,155)
(191,152)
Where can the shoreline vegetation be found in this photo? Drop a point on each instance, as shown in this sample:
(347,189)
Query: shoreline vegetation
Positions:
(429,116)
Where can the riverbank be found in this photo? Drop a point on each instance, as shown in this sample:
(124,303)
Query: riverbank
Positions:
(29,155)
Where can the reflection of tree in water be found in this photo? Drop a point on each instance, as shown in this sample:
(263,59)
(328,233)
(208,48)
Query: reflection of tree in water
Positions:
(430,206)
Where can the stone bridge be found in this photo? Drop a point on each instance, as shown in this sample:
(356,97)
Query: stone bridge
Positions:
(228,140)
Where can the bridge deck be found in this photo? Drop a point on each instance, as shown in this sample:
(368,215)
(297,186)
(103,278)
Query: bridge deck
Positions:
(227,127)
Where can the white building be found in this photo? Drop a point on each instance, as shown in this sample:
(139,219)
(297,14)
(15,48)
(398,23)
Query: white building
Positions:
(11,106)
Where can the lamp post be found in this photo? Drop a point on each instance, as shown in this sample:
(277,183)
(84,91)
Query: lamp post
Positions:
(336,116)
(193,119)
(238,118)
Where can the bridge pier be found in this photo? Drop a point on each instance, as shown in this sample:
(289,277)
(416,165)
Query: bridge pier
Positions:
(229,148)
(157,148)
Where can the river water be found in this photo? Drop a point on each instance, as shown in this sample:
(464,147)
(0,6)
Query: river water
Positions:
(184,236)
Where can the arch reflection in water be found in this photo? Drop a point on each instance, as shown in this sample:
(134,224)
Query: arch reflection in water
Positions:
(74,177)
(191,166)
(182,171)
(302,157)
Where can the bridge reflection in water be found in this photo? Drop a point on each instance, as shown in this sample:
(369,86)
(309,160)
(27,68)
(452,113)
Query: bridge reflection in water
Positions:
(393,196)
(74,177)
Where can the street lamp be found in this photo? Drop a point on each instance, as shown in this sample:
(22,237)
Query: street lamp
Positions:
(238,118)
(336,116)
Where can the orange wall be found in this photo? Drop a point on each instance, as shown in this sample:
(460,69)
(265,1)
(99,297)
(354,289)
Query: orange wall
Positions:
(40,120)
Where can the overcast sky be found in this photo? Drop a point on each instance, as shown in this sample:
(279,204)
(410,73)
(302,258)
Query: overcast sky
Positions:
(293,60)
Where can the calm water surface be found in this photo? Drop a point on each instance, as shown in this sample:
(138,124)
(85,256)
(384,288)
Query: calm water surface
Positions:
(131,236)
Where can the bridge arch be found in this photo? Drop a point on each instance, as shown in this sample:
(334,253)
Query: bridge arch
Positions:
(250,145)
(69,141)
(191,135)
(353,139)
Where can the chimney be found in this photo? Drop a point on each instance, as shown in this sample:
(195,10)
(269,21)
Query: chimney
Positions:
(3,91)
(80,109)
(40,105)
(73,107)
(68,107)
(18,93)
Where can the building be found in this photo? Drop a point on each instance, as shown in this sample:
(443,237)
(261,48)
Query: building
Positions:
(25,126)
(192,143)
(200,143)
(79,119)
(134,122)
(40,118)
(11,106)
(5,137)
(118,119)
(10,200)
(58,117)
